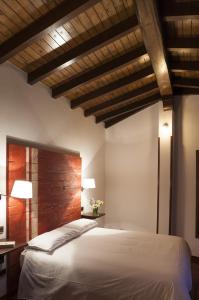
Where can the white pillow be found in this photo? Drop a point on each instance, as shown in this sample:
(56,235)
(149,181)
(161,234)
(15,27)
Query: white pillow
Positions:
(82,225)
(51,240)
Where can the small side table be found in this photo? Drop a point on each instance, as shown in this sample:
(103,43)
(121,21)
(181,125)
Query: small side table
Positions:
(13,284)
(4,251)
(92,216)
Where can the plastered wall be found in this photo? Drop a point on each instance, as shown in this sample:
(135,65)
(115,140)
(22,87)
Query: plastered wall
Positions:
(187,134)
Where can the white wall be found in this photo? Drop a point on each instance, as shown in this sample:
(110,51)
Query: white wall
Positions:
(30,113)
(187,144)
(131,171)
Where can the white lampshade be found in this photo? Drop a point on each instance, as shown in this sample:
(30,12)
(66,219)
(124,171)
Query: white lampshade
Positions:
(88,183)
(22,189)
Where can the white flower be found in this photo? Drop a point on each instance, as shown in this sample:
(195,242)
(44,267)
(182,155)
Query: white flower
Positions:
(96,203)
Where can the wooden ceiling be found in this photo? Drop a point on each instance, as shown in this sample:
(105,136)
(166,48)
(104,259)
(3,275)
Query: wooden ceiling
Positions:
(112,58)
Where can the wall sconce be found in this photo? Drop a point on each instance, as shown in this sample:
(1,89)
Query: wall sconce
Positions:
(21,189)
(88,183)
(165,130)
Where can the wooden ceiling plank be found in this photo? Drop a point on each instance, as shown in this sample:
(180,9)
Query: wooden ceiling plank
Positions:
(121,98)
(124,116)
(175,11)
(183,44)
(150,25)
(103,69)
(53,19)
(186,82)
(183,66)
(146,72)
(148,100)
(94,43)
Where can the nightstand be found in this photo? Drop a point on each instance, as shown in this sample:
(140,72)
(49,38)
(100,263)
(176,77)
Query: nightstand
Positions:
(99,217)
(5,251)
(10,271)
(92,216)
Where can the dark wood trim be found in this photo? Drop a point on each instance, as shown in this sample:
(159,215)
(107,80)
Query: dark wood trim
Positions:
(148,17)
(182,66)
(186,91)
(124,116)
(171,186)
(195,259)
(197,195)
(94,43)
(186,82)
(100,70)
(158,188)
(176,11)
(61,14)
(148,71)
(133,106)
(183,44)
(122,98)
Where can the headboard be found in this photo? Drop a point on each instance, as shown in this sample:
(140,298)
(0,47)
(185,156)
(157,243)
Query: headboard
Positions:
(56,178)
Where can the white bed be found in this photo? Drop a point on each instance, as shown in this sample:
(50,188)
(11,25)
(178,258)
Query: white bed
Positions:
(109,264)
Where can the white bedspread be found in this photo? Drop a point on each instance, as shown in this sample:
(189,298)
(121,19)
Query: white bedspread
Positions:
(109,264)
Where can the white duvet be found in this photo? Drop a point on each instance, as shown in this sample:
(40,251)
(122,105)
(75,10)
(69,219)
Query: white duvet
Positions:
(109,264)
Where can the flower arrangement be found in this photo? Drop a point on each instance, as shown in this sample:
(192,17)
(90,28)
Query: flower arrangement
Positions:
(96,204)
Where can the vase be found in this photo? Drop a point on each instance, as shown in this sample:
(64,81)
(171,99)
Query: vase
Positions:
(95,211)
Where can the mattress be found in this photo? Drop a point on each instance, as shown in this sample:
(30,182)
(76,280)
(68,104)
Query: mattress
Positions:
(109,264)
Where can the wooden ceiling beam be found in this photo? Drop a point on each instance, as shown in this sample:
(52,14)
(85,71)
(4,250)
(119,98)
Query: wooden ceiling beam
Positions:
(177,11)
(186,82)
(183,44)
(135,105)
(167,102)
(56,17)
(148,18)
(147,72)
(100,70)
(121,98)
(183,66)
(185,91)
(124,116)
(94,43)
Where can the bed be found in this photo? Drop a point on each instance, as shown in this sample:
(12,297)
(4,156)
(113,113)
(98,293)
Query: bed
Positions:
(109,264)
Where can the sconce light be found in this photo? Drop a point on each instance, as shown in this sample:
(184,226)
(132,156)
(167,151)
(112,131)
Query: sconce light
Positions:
(165,130)
(21,189)
(88,183)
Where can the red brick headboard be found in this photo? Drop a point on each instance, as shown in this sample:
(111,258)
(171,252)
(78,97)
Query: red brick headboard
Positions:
(56,178)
